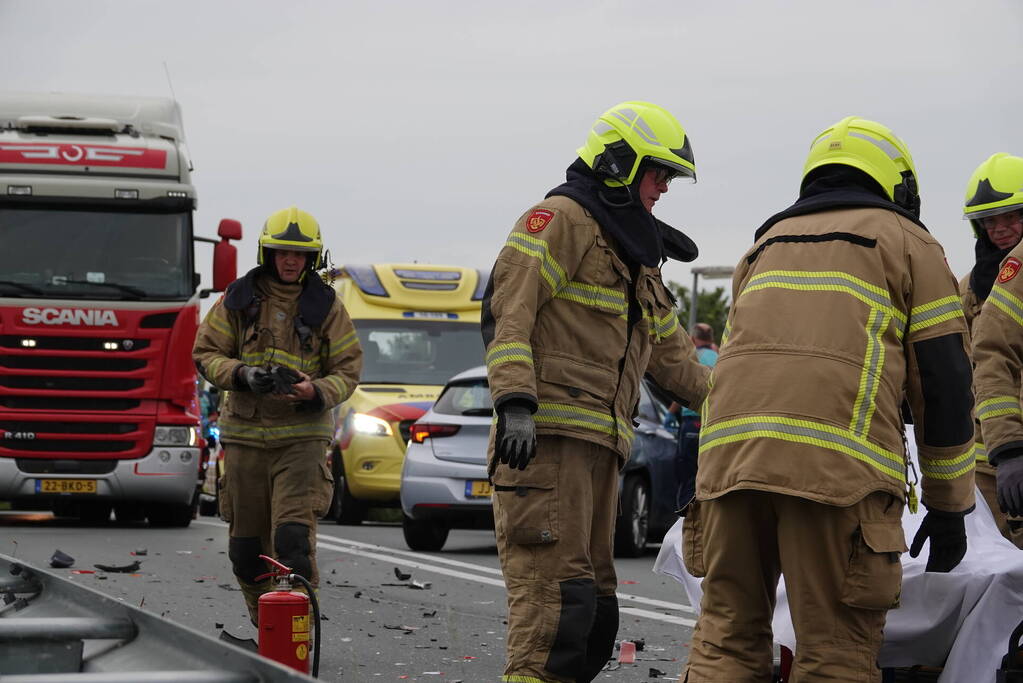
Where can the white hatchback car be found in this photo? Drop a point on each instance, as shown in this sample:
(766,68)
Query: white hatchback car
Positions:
(444,481)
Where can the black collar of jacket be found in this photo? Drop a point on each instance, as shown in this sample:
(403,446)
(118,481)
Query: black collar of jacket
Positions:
(314,302)
(989,263)
(642,238)
(820,196)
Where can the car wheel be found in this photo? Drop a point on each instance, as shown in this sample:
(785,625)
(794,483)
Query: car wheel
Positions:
(347,509)
(633,524)
(424,534)
(126,513)
(169,515)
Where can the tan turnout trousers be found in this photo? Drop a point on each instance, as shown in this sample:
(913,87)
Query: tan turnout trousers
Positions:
(555,529)
(842,574)
(272,499)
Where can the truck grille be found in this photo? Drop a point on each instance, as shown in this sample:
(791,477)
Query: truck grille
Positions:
(70,446)
(71,383)
(71,363)
(64,403)
(68,427)
(73,438)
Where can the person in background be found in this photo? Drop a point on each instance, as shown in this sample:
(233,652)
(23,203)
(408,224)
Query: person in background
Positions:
(281,343)
(687,422)
(994,207)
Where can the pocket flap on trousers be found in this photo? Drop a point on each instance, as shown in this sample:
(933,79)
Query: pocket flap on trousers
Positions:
(884,537)
(535,476)
(593,380)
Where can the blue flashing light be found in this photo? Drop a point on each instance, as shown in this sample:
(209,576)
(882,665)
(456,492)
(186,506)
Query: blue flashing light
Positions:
(367,280)
(481,285)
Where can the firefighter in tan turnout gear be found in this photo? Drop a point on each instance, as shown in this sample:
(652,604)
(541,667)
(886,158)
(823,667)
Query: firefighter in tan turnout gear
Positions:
(283,347)
(843,308)
(998,349)
(574,315)
(994,207)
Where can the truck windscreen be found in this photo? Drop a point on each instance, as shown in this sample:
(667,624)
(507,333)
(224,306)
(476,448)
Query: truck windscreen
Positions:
(408,352)
(95,254)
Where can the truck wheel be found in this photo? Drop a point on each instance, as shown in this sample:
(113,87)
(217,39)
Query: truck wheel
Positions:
(208,506)
(632,526)
(424,534)
(169,514)
(129,512)
(94,512)
(344,508)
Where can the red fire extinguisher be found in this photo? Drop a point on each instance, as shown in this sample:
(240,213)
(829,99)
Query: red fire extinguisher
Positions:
(284,629)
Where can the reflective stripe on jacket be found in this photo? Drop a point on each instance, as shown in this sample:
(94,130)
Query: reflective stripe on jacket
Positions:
(556,329)
(836,317)
(331,356)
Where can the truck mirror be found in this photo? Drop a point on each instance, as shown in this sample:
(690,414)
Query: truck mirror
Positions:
(230,229)
(225,262)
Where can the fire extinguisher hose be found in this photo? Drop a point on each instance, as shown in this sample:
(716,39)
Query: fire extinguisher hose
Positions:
(316,619)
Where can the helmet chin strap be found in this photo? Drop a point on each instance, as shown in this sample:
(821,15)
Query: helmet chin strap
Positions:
(618,205)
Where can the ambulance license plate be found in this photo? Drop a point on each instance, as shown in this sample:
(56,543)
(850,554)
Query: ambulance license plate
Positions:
(65,486)
(478,489)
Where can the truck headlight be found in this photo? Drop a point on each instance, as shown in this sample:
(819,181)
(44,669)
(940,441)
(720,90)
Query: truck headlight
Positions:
(167,435)
(367,424)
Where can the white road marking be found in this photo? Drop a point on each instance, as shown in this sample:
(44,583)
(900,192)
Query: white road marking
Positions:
(408,558)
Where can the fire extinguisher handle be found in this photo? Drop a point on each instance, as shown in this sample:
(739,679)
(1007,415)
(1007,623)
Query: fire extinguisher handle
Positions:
(276,568)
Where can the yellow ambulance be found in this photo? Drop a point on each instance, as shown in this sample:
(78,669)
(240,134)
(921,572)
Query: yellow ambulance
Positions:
(418,326)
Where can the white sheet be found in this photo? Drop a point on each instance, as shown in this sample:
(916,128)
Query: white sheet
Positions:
(962,619)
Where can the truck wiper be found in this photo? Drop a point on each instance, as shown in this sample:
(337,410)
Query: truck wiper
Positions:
(128,289)
(22,286)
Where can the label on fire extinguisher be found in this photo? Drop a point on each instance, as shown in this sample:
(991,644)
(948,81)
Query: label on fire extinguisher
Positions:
(300,628)
(302,651)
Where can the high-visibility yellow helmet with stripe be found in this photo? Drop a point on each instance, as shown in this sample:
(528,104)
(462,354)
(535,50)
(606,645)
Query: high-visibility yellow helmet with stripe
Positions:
(632,134)
(995,187)
(292,229)
(873,149)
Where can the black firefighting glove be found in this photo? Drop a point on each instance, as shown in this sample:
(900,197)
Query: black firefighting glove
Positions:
(947,531)
(1009,478)
(284,380)
(256,379)
(516,436)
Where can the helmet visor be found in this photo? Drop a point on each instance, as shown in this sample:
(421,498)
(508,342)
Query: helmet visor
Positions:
(985,213)
(668,171)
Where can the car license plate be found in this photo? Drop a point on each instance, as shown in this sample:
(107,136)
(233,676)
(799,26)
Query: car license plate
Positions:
(65,486)
(478,489)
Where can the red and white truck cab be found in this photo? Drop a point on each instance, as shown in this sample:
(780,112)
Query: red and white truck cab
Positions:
(99,304)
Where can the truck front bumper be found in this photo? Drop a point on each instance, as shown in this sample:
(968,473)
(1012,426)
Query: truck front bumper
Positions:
(168,474)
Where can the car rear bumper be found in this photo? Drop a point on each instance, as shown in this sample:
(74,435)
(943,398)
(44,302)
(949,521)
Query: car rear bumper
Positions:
(432,488)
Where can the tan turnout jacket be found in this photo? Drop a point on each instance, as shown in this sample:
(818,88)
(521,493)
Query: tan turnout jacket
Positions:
(998,352)
(331,356)
(556,329)
(837,316)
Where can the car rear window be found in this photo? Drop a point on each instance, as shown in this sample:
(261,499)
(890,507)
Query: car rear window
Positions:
(465,398)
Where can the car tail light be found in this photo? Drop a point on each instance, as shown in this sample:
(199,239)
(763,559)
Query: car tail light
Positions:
(421,431)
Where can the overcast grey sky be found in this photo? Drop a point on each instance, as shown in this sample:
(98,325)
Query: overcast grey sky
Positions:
(422,130)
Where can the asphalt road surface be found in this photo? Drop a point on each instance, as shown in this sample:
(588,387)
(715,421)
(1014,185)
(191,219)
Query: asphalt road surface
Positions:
(377,627)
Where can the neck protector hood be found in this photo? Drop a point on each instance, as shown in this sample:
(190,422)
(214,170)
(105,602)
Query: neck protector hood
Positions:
(314,300)
(838,187)
(623,217)
(989,261)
